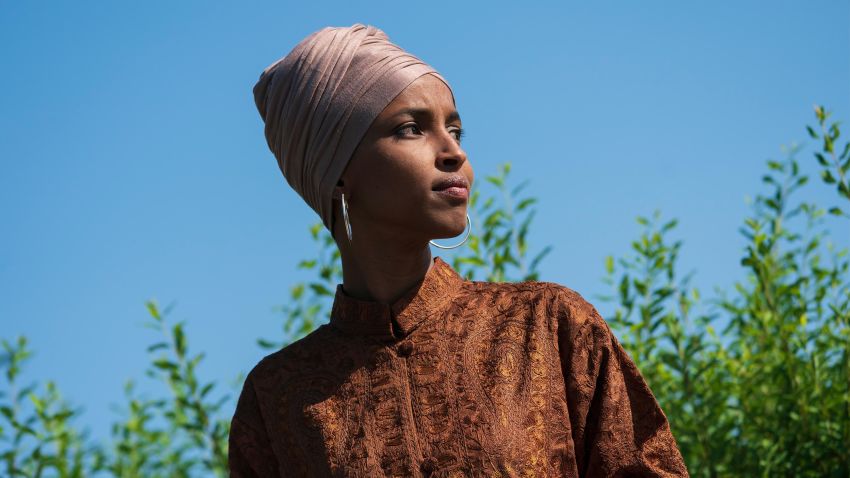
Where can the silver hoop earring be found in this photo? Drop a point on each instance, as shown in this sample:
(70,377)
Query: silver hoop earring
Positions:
(345,216)
(468,221)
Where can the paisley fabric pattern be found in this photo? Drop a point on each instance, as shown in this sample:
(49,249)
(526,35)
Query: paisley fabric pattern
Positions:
(457,378)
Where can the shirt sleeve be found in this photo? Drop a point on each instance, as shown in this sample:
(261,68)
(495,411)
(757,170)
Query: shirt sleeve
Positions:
(617,425)
(249,453)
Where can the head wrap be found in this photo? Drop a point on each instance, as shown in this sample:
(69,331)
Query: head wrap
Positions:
(319,100)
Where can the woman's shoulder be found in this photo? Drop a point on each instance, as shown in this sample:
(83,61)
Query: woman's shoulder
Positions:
(559,297)
(295,356)
(574,307)
(563,306)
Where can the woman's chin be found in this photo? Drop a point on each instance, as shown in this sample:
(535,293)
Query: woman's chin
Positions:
(450,230)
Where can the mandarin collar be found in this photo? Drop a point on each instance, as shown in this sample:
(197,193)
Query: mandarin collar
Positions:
(424,299)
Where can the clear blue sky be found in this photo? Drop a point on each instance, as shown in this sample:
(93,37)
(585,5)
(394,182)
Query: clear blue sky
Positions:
(134,164)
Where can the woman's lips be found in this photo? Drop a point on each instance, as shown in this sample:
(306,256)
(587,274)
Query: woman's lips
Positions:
(454,192)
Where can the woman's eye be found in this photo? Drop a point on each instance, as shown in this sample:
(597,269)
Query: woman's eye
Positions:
(412,127)
(459,133)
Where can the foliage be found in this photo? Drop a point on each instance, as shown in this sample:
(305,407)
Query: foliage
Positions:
(40,440)
(769,395)
(678,352)
(180,436)
(755,382)
(498,242)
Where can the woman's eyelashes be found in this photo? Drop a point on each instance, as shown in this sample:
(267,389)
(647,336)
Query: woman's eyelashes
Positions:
(414,129)
(460,133)
(412,126)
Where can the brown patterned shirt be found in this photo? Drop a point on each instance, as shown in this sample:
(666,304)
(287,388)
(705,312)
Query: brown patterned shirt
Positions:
(456,378)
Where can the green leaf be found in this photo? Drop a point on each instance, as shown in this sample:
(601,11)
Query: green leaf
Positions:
(525,203)
(153,310)
(640,286)
(320,289)
(835,130)
(476,261)
(495,180)
(266,344)
(165,364)
(670,225)
(812,132)
(624,288)
(844,190)
(158,346)
(207,388)
(179,339)
(546,250)
(315,229)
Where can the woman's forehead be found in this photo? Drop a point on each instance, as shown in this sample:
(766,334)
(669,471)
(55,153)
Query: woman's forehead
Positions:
(427,95)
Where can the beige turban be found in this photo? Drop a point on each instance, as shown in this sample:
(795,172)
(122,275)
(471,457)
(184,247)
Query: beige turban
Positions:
(320,99)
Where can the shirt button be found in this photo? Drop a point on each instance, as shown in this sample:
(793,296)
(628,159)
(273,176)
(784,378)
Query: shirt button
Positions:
(405,349)
(429,465)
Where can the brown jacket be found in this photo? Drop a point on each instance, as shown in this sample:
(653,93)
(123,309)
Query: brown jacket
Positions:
(456,378)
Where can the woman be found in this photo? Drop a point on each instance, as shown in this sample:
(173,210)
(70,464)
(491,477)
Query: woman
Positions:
(420,372)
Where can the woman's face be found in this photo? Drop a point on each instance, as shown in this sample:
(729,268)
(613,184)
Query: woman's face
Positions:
(411,147)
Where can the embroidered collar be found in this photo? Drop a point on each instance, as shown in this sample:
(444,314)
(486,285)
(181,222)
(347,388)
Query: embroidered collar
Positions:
(426,298)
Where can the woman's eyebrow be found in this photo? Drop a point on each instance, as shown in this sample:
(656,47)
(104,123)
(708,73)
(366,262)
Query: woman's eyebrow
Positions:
(453,116)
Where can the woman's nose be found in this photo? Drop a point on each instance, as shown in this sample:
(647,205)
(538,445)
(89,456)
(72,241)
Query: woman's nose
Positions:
(451,154)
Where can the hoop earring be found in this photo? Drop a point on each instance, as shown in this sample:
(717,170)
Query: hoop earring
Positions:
(468,221)
(345,216)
